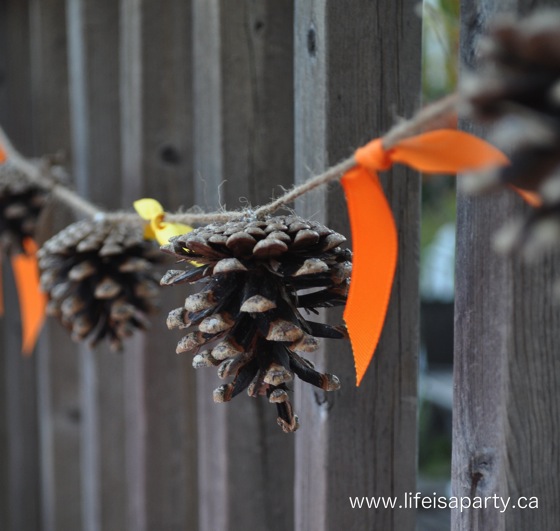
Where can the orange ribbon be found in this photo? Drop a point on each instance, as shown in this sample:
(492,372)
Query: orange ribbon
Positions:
(374,233)
(32,301)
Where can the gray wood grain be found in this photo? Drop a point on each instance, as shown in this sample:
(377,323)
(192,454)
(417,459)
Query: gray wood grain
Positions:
(58,374)
(20,506)
(356,65)
(93,34)
(507,371)
(160,387)
(21,417)
(243,104)
(4,436)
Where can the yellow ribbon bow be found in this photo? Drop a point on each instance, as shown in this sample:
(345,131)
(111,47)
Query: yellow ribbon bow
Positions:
(158,229)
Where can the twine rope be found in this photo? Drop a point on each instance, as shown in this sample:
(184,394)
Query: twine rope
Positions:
(43,178)
(427,118)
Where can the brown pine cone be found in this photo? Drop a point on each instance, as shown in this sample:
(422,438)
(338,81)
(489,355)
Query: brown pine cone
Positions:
(100,280)
(517,90)
(20,205)
(245,320)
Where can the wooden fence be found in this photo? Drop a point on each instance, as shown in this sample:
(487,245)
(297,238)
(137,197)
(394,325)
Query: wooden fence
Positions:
(205,102)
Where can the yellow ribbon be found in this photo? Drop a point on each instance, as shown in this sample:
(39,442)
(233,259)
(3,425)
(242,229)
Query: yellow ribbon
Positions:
(158,229)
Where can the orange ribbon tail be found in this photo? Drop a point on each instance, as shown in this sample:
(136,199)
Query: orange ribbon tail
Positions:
(32,301)
(374,234)
(375,244)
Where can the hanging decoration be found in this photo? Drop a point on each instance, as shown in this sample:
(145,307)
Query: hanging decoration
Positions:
(99,278)
(246,318)
(517,91)
(371,220)
(21,202)
(254,268)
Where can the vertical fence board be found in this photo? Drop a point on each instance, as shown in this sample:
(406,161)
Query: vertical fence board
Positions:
(356,65)
(58,375)
(21,416)
(19,496)
(507,373)
(243,134)
(157,162)
(93,31)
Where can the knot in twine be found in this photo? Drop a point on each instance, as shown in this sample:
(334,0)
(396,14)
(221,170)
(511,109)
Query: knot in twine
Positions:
(373,156)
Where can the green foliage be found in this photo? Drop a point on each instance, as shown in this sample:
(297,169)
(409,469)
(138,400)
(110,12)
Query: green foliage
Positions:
(440,50)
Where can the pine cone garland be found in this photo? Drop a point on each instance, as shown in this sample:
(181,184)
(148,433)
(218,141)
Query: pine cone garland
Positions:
(20,205)
(517,90)
(245,320)
(100,280)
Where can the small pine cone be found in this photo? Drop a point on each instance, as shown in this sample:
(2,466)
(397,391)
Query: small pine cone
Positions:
(100,280)
(517,90)
(245,320)
(20,205)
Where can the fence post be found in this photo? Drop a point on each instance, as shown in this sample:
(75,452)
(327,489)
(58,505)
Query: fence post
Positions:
(357,65)
(93,39)
(160,387)
(243,101)
(19,449)
(507,372)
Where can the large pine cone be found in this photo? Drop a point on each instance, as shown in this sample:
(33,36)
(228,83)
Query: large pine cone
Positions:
(20,205)
(245,320)
(517,90)
(100,280)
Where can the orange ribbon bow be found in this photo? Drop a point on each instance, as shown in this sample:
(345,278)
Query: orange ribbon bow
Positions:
(374,233)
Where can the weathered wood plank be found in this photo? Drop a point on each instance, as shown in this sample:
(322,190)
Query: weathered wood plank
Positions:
(160,387)
(58,376)
(355,65)
(4,437)
(507,371)
(93,33)
(243,101)
(21,417)
(15,90)
(20,505)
